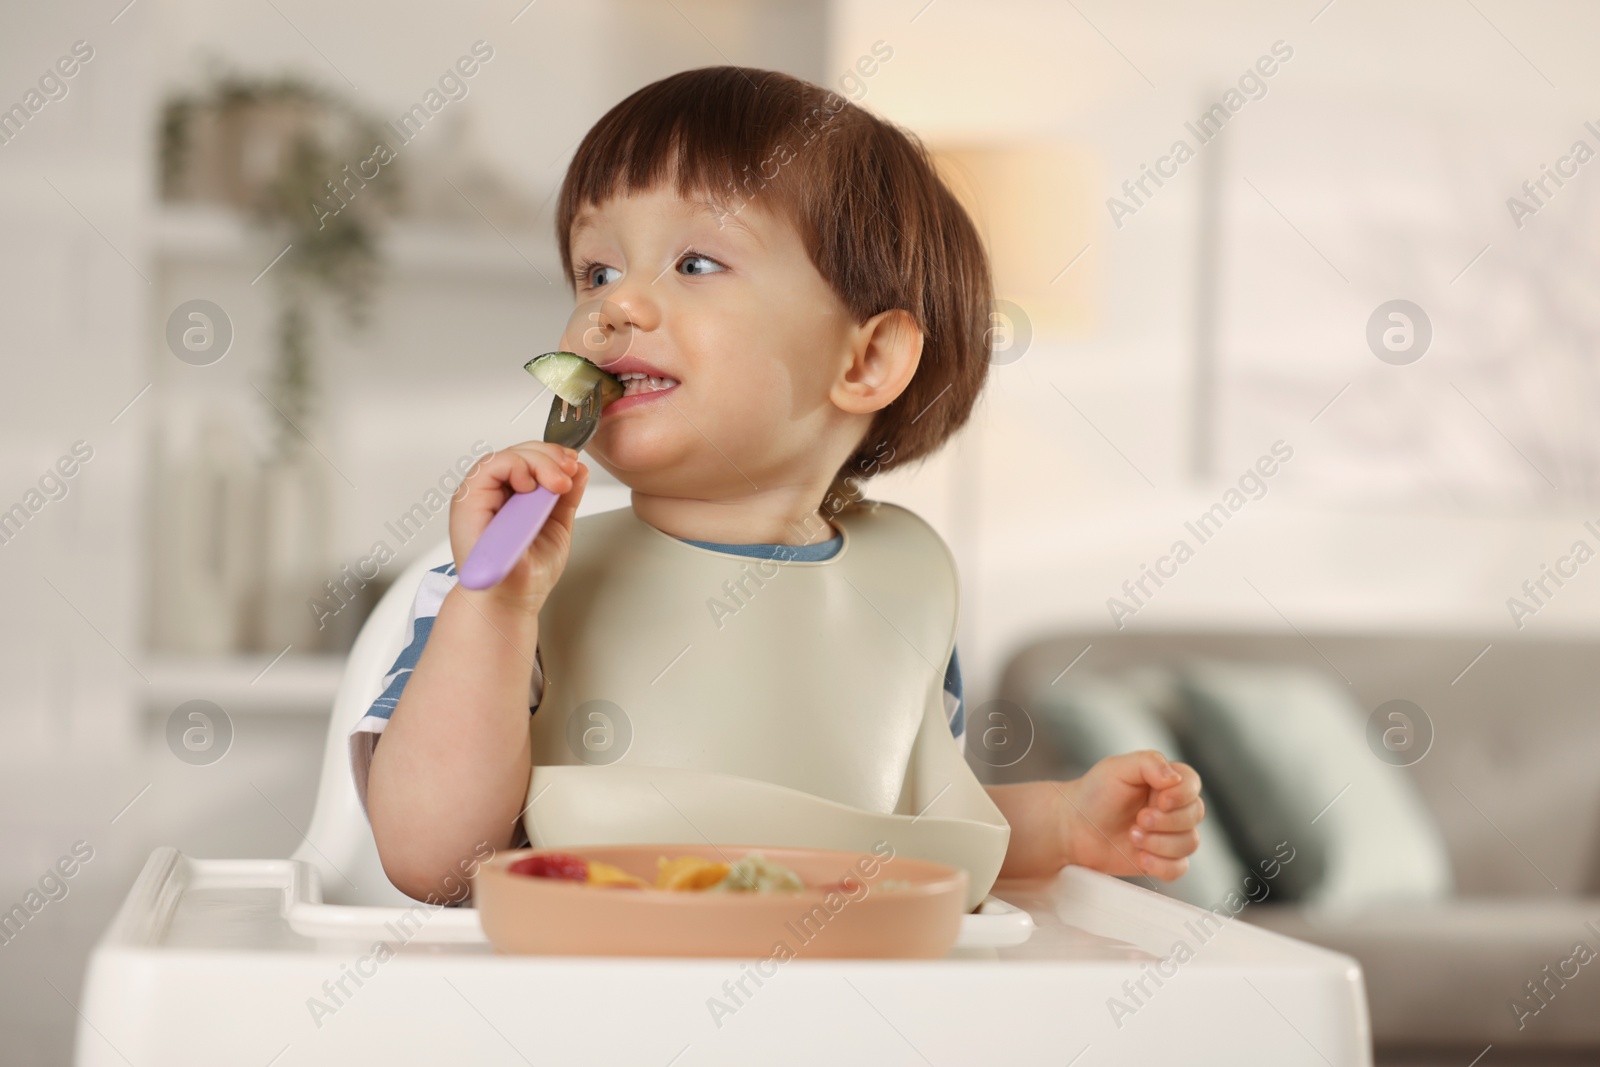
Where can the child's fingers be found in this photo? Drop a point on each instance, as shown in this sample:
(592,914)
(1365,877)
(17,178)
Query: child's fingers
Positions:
(566,508)
(1169,846)
(485,491)
(482,493)
(1167,870)
(519,469)
(1184,818)
(1147,767)
(553,465)
(1177,792)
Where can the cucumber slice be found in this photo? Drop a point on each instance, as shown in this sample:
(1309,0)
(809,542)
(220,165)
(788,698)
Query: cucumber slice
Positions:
(573,378)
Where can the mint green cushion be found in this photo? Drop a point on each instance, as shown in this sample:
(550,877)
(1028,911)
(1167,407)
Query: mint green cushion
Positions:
(1275,745)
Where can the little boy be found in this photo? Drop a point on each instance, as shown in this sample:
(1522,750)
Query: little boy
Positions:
(763,655)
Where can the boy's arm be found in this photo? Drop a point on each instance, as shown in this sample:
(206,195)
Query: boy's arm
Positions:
(1037,847)
(1136,813)
(452,772)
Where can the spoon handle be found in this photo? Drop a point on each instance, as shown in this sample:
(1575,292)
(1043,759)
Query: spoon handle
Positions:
(506,538)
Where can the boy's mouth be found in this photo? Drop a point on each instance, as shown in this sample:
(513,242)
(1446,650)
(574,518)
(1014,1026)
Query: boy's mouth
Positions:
(637,384)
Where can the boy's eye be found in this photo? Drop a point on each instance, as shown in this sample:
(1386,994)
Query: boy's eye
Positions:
(591,272)
(593,275)
(694,257)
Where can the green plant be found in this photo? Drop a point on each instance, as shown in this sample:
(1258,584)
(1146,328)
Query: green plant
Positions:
(283,152)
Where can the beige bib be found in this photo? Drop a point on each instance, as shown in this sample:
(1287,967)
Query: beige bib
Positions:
(692,694)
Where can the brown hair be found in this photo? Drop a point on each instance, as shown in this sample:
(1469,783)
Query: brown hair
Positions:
(880,226)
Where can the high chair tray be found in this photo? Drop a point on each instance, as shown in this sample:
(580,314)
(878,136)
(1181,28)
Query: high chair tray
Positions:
(211,961)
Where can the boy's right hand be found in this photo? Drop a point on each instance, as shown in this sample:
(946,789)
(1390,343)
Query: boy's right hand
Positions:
(521,469)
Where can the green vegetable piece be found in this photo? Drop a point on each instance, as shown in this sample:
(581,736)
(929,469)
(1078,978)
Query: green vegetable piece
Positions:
(757,874)
(573,378)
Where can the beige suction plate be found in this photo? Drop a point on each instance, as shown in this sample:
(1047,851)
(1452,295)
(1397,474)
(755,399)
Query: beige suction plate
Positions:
(523,914)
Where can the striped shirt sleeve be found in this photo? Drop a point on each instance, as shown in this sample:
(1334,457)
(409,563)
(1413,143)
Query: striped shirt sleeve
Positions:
(955,701)
(436,585)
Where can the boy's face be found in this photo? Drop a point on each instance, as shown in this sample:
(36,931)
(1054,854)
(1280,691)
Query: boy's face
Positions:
(739,317)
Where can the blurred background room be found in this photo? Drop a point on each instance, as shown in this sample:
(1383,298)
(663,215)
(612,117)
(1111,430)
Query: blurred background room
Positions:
(1306,288)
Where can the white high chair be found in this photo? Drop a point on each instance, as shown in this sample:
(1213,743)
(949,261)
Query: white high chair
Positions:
(318,959)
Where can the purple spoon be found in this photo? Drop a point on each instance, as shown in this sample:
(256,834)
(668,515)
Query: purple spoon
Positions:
(521,517)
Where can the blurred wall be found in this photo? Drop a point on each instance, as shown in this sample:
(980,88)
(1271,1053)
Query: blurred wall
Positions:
(1375,165)
(75,193)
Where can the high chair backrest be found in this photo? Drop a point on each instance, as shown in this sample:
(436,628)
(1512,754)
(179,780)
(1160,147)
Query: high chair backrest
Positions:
(339,842)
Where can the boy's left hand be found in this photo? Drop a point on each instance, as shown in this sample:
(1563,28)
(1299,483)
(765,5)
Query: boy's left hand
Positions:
(1133,814)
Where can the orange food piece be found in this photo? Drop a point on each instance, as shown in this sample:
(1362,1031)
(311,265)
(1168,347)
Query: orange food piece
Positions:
(688,872)
(606,874)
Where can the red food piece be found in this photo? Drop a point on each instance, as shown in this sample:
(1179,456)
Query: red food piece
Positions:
(553,865)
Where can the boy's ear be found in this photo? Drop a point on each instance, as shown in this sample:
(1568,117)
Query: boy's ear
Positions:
(883,355)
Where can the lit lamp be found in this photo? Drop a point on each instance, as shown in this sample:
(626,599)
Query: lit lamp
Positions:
(1033,202)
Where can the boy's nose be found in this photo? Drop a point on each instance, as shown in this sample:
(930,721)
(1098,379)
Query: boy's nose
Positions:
(601,331)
